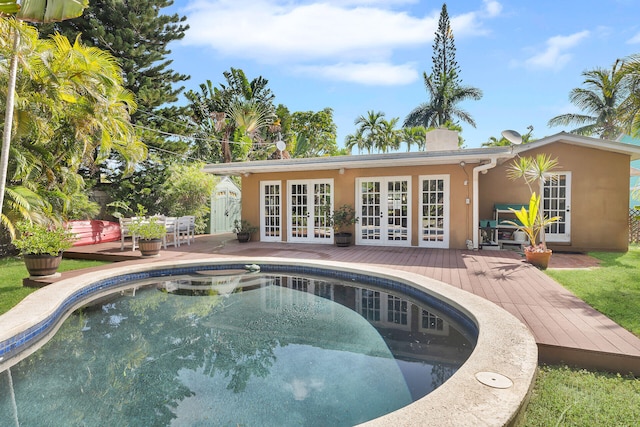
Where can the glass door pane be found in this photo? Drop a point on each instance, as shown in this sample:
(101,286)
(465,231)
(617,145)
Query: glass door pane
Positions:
(270,228)
(299,211)
(434,211)
(371,212)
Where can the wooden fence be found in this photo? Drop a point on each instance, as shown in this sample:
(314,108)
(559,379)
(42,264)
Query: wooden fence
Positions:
(634,225)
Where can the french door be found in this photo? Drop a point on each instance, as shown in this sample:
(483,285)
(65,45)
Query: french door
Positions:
(434,211)
(270,211)
(384,206)
(308,202)
(556,201)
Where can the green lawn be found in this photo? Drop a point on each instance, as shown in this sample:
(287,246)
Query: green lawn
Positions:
(612,289)
(13,271)
(570,397)
(576,397)
(561,396)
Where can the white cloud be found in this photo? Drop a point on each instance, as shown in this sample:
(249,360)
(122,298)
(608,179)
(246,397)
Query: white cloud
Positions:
(379,73)
(314,33)
(492,8)
(635,39)
(268,32)
(555,55)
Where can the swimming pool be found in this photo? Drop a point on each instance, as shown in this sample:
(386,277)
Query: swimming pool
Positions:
(448,301)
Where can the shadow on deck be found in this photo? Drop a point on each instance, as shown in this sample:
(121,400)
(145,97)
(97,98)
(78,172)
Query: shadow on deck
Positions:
(566,329)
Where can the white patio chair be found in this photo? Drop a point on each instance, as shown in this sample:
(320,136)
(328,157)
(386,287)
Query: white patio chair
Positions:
(171,238)
(183,230)
(191,231)
(125,232)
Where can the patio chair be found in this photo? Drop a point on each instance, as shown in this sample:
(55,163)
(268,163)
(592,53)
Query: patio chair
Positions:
(125,232)
(171,223)
(182,226)
(191,229)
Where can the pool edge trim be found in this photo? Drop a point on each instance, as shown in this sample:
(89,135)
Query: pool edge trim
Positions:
(504,346)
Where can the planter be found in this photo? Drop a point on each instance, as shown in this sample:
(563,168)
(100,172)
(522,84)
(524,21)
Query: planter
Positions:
(243,237)
(539,259)
(42,264)
(519,236)
(342,239)
(150,247)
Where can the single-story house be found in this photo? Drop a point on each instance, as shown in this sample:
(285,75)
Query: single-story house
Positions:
(444,197)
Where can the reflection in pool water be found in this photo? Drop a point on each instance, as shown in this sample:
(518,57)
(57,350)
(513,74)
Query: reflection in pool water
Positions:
(251,349)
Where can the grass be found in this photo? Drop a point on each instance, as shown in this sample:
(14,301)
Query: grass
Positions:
(575,397)
(570,397)
(13,271)
(613,289)
(561,396)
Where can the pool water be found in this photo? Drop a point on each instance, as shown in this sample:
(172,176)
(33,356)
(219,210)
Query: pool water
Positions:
(241,350)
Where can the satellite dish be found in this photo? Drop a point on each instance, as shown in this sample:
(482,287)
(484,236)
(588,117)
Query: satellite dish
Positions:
(512,136)
(280,145)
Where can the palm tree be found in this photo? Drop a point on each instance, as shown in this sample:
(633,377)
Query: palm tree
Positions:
(71,112)
(414,135)
(601,102)
(630,107)
(249,118)
(88,82)
(211,108)
(368,131)
(444,96)
(32,11)
(389,138)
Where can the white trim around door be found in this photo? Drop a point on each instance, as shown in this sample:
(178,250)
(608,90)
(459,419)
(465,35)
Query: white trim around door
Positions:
(307,201)
(270,211)
(384,206)
(434,213)
(556,201)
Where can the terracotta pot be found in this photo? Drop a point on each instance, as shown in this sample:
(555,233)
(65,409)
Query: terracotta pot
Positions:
(42,264)
(539,259)
(342,240)
(150,247)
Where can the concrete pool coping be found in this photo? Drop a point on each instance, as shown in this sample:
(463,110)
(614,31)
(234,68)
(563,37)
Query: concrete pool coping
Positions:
(489,389)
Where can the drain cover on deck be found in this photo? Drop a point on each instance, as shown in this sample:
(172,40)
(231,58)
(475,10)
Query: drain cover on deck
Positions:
(494,380)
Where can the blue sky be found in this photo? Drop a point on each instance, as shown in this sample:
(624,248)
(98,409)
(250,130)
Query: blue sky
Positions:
(359,55)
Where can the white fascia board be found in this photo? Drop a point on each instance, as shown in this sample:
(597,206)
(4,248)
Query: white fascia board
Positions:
(583,141)
(471,156)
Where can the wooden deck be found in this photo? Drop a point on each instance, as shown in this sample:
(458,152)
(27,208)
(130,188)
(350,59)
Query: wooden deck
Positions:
(566,329)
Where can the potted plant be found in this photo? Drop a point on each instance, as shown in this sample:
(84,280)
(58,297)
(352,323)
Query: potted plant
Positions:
(243,230)
(340,220)
(149,232)
(42,246)
(533,222)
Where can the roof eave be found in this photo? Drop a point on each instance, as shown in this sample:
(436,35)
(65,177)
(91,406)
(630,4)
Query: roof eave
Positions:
(570,138)
(471,156)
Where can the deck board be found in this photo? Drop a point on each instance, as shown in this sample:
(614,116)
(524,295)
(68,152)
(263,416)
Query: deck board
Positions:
(566,329)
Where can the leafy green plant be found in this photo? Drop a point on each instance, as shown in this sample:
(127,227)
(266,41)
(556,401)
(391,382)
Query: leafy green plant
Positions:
(531,222)
(38,239)
(148,228)
(342,217)
(244,226)
(535,171)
